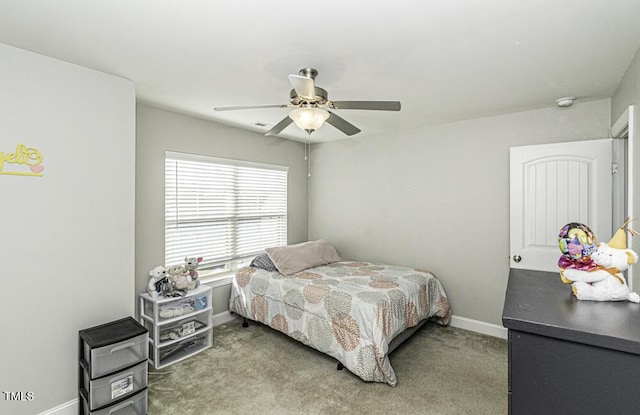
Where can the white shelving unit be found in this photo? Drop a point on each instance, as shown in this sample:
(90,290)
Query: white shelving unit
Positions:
(179,327)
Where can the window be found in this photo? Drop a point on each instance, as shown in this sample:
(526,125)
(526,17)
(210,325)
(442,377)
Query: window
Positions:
(225,211)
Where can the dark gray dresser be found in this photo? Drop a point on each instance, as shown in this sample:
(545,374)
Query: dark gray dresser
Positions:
(568,356)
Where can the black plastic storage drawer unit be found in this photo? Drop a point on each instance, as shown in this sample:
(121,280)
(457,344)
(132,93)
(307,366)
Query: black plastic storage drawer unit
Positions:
(113,368)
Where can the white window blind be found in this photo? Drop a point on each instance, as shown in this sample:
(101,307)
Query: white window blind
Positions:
(222,210)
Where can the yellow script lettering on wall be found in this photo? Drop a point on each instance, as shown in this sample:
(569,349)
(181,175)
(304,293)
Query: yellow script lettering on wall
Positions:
(25,161)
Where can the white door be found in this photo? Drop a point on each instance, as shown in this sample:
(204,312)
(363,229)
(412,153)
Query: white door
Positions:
(552,185)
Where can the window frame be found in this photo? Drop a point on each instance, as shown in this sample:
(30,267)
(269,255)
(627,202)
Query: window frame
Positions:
(224,268)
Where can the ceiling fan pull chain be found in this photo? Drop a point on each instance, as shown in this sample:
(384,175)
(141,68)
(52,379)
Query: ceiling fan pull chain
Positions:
(307,153)
(309,158)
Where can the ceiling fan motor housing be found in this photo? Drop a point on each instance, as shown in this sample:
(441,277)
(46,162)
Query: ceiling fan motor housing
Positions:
(322,97)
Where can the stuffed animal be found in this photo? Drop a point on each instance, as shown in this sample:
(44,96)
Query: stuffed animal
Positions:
(190,265)
(176,270)
(179,275)
(158,278)
(606,282)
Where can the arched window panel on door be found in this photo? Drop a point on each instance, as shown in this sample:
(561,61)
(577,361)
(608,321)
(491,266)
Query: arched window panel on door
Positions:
(558,192)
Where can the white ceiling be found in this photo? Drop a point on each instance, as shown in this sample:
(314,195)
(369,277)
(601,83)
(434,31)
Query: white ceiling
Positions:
(445,60)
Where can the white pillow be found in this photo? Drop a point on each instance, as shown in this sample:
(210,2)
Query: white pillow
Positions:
(295,258)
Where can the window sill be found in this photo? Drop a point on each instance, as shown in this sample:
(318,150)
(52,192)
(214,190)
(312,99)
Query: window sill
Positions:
(217,279)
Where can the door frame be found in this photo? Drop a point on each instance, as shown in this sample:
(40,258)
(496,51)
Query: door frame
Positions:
(623,128)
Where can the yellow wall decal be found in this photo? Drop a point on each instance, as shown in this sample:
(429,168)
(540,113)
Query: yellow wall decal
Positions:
(26,161)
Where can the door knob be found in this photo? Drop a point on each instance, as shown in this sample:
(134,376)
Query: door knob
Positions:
(517,258)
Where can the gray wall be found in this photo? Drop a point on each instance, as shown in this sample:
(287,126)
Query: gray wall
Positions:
(159,130)
(67,238)
(628,93)
(437,198)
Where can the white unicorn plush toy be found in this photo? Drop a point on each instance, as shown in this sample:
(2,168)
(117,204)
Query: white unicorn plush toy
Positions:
(606,282)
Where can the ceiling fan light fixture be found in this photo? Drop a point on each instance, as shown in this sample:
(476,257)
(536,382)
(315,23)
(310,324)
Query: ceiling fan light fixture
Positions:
(309,119)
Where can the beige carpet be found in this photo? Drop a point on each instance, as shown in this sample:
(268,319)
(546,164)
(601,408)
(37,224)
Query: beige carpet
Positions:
(257,370)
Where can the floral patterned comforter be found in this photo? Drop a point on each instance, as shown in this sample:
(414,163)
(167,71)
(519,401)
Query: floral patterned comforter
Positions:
(348,310)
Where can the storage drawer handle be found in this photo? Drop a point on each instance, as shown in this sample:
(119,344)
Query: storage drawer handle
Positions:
(120,377)
(121,406)
(122,347)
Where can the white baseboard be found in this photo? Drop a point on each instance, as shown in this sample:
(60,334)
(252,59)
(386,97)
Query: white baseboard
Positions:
(67,408)
(478,326)
(222,318)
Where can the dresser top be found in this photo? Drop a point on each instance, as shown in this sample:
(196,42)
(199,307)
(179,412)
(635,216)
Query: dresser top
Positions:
(538,302)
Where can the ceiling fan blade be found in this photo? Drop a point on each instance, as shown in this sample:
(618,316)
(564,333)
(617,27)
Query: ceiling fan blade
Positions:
(366,105)
(249,107)
(342,124)
(279,126)
(304,86)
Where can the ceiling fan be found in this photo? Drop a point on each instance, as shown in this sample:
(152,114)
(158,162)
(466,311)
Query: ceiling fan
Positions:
(311,106)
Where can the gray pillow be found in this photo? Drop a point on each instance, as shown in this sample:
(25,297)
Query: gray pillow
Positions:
(295,258)
(262,261)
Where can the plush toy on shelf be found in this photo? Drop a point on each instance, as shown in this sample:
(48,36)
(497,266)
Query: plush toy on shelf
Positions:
(180,277)
(598,277)
(176,270)
(190,265)
(158,279)
(175,280)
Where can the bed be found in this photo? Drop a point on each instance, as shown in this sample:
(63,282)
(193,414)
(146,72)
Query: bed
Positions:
(356,312)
